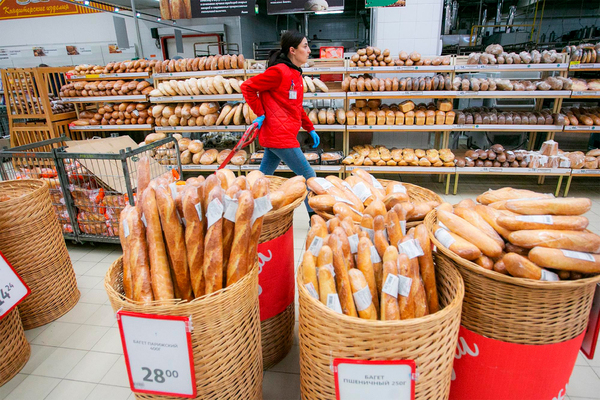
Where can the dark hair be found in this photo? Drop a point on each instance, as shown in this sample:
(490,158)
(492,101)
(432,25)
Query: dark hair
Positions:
(288,39)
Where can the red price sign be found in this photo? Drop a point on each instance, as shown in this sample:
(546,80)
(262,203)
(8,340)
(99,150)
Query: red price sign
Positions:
(12,288)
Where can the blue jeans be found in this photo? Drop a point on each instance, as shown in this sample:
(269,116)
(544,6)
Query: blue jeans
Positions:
(294,159)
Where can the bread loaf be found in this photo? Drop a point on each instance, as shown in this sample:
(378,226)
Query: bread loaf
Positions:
(471,216)
(568,240)
(472,234)
(456,244)
(259,189)
(362,295)
(326,280)
(529,222)
(427,268)
(406,304)
(364,262)
(309,274)
(390,311)
(342,279)
(194,229)
(124,235)
(565,260)
(552,206)
(520,267)
(238,266)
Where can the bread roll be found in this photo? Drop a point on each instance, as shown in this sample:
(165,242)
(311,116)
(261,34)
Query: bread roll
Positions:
(565,260)
(456,244)
(521,267)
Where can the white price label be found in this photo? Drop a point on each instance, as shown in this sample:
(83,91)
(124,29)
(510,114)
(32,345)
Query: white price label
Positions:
(370,232)
(347,185)
(342,200)
(315,246)
(330,268)
(231,206)
(403,226)
(311,289)
(199,210)
(381,380)
(390,285)
(363,299)
(325,184)
(412,248)
(398,189)
(173,187)
(353,240)
(549,276)
(333,302)
(361,191)
(539,219)
(444,237)
(578,255)
(158,353)
(376,183)
(262,206)
(404,285)
(125,228)
(12,288)
(214,212)
(375,255)
(143,220)
(441,224)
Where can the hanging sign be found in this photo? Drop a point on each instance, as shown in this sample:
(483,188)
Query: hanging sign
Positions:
(158,353)
(385,3)
(186,9)
(12,288)
(380,380)
(303,6)
(13,9)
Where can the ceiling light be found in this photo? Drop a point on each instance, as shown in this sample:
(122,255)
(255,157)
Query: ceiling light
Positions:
(329,12)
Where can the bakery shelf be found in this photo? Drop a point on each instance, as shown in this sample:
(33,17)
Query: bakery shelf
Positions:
(404,170)
(253,167)
(513,171)
(582,128)
(144,127)
(328,128)
(515,94)
(336,169)
(585,172)
(212,128)
(404,68)
(508,128)
(584,67)
(201,74)
(323,70)
(585,94)
(428,94)
(211,167)
(96,77)
(255,71)
(511,67)
(328,95)
(398,128)
(183,99)
(102,99)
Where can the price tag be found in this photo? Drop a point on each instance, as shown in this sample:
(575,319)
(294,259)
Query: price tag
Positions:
(330,268)
(381,380)
(411,248)
(403,227)
(549,276)
(125,228)
(353,240)
(404,285)
(325,184)
(342,200)
(231,206)
(375,255)
(376,183)
(390,286)
(262,206)
(370,232)
(361,191)
(12,288)
(540,219)
(363,299)
(214,213)
(398,188)
(198,208)
(444,237)
(311,289)
(158,353)
(578,255)
(315,246)
(143,220)
(333,302)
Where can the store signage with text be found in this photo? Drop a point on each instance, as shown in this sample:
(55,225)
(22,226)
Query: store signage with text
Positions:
(186,9)
(12,288)
(385,3)
(12,9)
(302,6)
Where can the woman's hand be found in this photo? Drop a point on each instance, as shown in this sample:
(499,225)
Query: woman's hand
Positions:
(259,121)
(315,138)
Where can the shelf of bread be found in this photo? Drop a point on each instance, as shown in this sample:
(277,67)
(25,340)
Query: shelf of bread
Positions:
(143,127)
(512,171)
(210,128)
(405,169)
(399,128)
(328,95)
(577,66)
(95,77)
(183,99)
(193,74)
(515,94)
(403,68)
(431,94)
(582,128)
(101,99)
(585,94)
(323,70)
(508,128)
(511,67)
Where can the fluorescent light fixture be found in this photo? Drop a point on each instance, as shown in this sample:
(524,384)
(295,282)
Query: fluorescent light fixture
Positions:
(329,12)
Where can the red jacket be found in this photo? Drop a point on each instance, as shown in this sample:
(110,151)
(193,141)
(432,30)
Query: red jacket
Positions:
(284,116)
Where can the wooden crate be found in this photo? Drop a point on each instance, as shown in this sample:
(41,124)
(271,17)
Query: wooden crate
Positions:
(53,78)
(22,94)
(22,133)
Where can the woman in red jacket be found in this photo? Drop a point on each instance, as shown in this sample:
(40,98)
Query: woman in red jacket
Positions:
(276,97)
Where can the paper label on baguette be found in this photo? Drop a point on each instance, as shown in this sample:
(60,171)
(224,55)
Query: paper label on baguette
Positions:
(353,243)
(363,299)
(330,268)
(441,224)
(398,189)
(375,255)
(231,206)
(540,219)
(315,246)
(333,303)
(144,220)
(356,211)
(199,210)
(214,212)
(579,255)
(390,285)
(125,228)
(444,237)
(342,200)
(262,205)
(173,187)
(376,183)
(412,248)
(361,191)
(347,186)
(325,184)
(549,276)
(403,226)
(404,285)
(311,289)
(370,232)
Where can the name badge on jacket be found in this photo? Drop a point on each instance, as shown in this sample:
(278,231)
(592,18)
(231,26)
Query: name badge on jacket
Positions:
(293,94)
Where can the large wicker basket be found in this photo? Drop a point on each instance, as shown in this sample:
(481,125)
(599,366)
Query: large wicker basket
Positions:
(277,333)
(517,310)
(417,194)
(14,347)
(429,341)
(225,338)
(33,243)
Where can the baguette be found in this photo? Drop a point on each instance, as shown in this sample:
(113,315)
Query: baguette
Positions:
(260,189)
(491,215)
(456,244)
(345,243)
(238,266)
(138,258)
(390,310)
(561,206)
(124,235)
(394,229)
(213,239)
(309,274)
(565,260)
(341,278)
(406,304)
(143,176)
(477,221)
(174,238)
(365,264)
(381,244)
(326,284)
(528,222)
(162,282)
(427,268)
(508,193)
(417,290)
(228,225)
(520,267)
(362,295)
(472,234)
(586,242)
(194,229)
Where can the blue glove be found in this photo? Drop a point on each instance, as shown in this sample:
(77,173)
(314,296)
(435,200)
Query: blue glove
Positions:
(315,138)
(259,121)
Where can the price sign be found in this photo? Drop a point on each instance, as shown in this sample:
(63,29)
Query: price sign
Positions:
(381,380)
(158,353)
(12,288)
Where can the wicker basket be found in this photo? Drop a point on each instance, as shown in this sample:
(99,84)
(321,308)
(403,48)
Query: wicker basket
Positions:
(277,333)
(416,194)
(14,347)
(429,341)
(33,243)
(226,335)
(518,310)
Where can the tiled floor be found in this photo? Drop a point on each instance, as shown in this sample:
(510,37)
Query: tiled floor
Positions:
(80,357)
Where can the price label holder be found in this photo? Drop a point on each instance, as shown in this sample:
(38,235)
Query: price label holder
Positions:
(158,353)
(12,288)
(381,380)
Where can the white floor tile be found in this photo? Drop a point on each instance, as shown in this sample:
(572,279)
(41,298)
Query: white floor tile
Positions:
(103,316)
(71,390)
(112,257)
(98,270)
(56,333)
(79,313)
(35,332)
(11,385)
(37,357)
(88,282)
(33,387)
(584,383)
(59,363)
(94,296)
(98,255)
(290,364)
(93,367)
(581,360)
(105,392)
(85,337)
(117,375)
(110,342)
(280,386)
(81,267)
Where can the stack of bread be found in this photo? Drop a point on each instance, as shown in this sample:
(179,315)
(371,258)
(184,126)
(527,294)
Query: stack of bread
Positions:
(370,83)
(584,53)
(210,85)
(375,57)
(202,114)
(591,159)
(522,233)
(582,85)
(114,67)
(372,112)
(495,54)
(491,84)
(314,85)
(374,270)
(105,88)
(582,116)
(116,114)
(210,63)
(492,116)
(165,259)
(381,155)
(326,116)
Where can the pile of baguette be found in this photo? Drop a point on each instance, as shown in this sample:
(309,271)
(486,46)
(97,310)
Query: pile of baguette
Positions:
(584,53)
(381,155)
(202,114)
(493,116)
(372,112)
(361,193)
(495,54)
(210,63)
(326,116)
(375,57)
(582,116)
(314,85)
(114,67)
(106,88)
(522,233)
(374,270)
(210,85)
(116,114)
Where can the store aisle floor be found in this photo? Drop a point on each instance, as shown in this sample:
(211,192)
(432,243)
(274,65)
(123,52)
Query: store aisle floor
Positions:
(79,356)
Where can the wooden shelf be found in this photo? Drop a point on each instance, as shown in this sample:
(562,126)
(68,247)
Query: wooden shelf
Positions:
(200,74)
(102,99)
(513,171)
(404,68)
(511,67)
(584,67)
(183,99)
(212,128)
(582,128)
(96,77)
(144,127)
(586,94)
